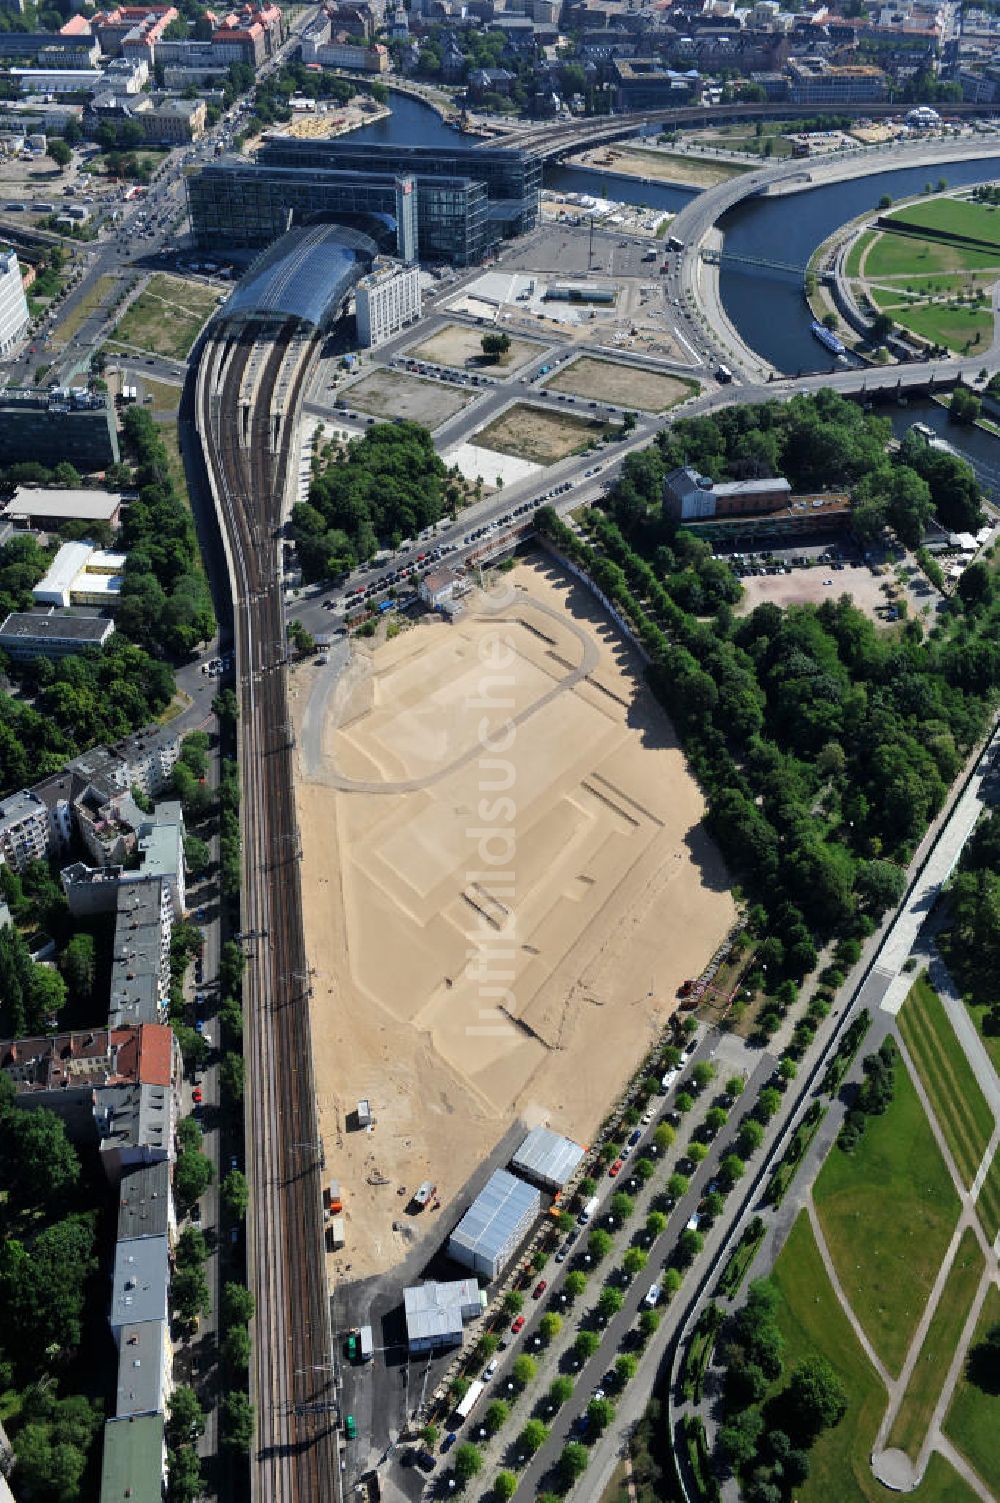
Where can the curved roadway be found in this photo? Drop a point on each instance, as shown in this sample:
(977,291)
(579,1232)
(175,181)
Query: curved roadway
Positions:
(699,283)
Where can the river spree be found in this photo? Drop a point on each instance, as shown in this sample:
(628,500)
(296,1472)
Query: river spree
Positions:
(767,307)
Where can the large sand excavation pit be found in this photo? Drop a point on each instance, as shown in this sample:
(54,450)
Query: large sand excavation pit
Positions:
(494,932)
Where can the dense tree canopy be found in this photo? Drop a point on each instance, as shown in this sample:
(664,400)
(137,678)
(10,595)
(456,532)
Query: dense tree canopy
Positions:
(824,746)
(165,596)
(384,487)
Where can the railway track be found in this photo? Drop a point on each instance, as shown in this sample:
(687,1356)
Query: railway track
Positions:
(249,390)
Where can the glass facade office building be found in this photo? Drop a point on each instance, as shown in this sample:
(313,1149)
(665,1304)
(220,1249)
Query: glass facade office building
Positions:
(459,215)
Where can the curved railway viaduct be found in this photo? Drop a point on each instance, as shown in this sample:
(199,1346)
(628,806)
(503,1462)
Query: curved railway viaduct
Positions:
(249,386)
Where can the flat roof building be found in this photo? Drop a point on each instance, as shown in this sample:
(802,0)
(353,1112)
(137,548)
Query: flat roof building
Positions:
(139,1283)
(81,574)
(37,506)
(144,1368)
(50,426)
(386,300)
(135,1460)
(145,1203)
(495,1225)
(436,1313)
(34,634)
(14,317)
(547,1158)
(140,969)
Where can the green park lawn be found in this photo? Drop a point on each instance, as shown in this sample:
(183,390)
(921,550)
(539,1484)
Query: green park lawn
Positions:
(905,255)
(884,297)
(852,266)
(811,1320)
(959,281)
(988,1204)
(947,1323)
(960,1107)
(977,221)
(973,1421)
(955,327)
(887,1211)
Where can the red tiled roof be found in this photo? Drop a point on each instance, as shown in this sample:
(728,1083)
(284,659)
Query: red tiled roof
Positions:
(155,1054)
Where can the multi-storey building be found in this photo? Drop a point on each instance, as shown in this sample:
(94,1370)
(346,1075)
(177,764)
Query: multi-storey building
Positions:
(814,81)
(14,316)
(57,424)
(26,830)
(467,199)
(386,300)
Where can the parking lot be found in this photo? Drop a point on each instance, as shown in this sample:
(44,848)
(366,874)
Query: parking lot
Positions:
(808,574)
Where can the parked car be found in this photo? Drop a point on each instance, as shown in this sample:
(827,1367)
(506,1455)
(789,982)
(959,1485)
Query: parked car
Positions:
(517,1326)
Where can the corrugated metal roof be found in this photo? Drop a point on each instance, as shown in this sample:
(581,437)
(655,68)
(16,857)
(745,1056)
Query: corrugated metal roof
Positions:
(498,1217)
(437,1310)
(547,1156)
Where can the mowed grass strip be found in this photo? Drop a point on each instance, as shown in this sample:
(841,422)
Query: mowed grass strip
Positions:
(988,1204)
(960,1107)
(944,323)
(855,256)
(924,1388)
(888,1211)
(811,1321)
(908,255)
(973,1421)
(954,216)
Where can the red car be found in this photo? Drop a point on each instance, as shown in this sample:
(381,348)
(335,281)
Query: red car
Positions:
(518,1325)
(540,1288)
(196,1094)
(615,1168)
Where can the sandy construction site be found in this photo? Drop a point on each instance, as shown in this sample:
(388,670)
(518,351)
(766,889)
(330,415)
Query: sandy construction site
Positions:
(505,880)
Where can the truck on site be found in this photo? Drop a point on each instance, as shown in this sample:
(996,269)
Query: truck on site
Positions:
(475,1392)
(424,1194)
(589,1210)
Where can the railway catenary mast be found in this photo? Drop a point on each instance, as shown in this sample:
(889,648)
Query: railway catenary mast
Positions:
(252,373)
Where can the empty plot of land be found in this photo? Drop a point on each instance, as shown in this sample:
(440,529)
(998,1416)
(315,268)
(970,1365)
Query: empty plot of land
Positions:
(662,166)
(959,1105)
(459,345)
(538,434)
(626,385)
(166,317)
(496,933)
(947,1323)
(888,1211)
(390,394)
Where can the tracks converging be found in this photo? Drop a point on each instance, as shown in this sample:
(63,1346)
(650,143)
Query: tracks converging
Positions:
(250,384)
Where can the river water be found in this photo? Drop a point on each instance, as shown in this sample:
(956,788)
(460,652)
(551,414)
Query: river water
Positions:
(766,306)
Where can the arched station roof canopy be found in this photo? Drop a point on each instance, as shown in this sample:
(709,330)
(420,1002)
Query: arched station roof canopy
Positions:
(305,275)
